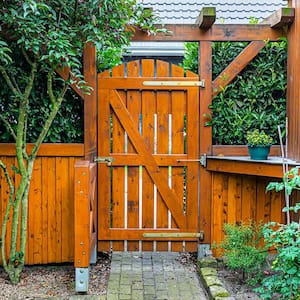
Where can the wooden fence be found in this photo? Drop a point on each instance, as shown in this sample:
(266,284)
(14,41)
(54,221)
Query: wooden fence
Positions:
(237,198)
(51,202)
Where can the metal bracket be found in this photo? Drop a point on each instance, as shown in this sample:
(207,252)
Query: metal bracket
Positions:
(104,160)
(200,83)
(203,160)
(81,280)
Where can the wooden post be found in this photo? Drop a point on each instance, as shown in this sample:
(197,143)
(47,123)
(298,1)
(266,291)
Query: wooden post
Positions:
(205,71)
(90,102)
(293,85)
(84,222)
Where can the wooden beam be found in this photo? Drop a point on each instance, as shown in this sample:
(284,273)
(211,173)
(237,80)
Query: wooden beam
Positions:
(64,73)
(293,88)
(90,102)
(237,65)
(46,150)
(280,18)
(205,194)
(244,167)
(234,150)
(206,18)
(218,32)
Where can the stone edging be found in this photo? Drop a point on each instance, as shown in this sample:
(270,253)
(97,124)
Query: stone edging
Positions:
(207,268)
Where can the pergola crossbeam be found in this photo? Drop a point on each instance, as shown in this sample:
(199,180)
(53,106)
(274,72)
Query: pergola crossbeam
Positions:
(206,18)
(218,32)
(282,17)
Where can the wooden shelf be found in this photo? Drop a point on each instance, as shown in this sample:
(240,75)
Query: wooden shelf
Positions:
(271,167)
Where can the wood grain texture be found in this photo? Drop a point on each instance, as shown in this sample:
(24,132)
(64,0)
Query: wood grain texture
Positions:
(51,211)
(205,67)
(153,194)
(242,198)
(293,91)
(90,101)
(218,32)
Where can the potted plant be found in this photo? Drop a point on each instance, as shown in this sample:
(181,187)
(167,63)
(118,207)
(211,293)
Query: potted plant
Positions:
(259,144)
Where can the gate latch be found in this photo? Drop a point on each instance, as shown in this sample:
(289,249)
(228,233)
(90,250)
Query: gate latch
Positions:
(104,160)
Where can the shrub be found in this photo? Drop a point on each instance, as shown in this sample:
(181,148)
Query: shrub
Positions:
(284,282)
(242,250)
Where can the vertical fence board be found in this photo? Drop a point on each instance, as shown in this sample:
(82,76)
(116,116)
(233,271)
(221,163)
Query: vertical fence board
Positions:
(163,110)
(134,108)
(178,114)
(52,225)
(118,173)
(246,201)
(148,112)
(35,215)
(45,191)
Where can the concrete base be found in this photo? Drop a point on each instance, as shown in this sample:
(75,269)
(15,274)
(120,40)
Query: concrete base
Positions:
(204,250)
(81,280)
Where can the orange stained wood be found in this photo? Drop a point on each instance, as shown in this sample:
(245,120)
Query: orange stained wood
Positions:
(242,198)
(205,67)
(51,209)
(133,104)
(118,173)
(148,111)
(90,102)
(47,150)
(245,167)
(84,217)
(293,91)
(148,128)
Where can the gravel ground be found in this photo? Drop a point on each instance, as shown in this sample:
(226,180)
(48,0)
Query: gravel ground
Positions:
(54,281)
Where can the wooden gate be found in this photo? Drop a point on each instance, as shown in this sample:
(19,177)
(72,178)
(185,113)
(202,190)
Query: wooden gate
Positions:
(148,154)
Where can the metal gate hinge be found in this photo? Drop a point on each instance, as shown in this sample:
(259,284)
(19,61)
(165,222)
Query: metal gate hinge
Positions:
(104,160)
(200,83)
(203,160)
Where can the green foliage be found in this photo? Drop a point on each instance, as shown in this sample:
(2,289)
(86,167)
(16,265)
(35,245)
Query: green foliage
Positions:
(284,281)
(67,127)
(36,39)
(290,182)
(256,98)
(242,250)
(54,33)
(258,138)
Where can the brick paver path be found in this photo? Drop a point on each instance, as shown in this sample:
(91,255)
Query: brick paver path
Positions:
(152,275)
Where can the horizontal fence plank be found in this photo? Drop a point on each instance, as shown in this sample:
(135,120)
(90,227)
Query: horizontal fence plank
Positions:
(63,150)
(245,167)
(239,150)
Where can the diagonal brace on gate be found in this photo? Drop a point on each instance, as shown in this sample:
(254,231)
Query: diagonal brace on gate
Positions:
(159,179)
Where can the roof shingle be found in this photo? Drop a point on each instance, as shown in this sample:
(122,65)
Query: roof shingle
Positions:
(228,11)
